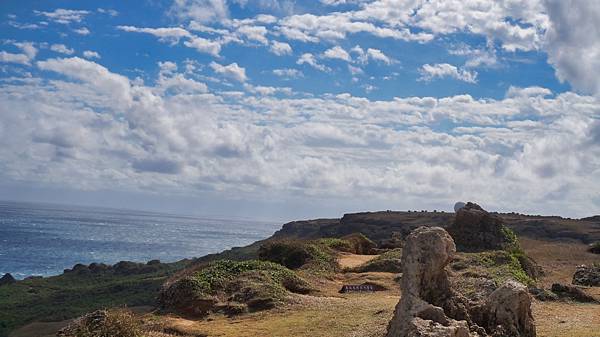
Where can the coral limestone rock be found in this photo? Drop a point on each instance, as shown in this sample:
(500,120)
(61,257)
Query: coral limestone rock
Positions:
(425,281)
(429,306)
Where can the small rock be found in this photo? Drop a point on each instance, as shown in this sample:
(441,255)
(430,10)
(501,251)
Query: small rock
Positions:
(587,276)
(573,293)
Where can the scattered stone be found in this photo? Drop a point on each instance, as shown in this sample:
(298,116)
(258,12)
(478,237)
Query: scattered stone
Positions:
(366,287)
(542,294)
(7,279)
(430,307)
(475,230)
(573,293)
(587,276)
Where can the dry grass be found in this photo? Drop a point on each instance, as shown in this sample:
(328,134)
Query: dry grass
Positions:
(352,260)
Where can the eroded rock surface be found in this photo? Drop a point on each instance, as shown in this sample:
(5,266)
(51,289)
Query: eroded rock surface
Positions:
(587,276)
(429,306)
(474,229)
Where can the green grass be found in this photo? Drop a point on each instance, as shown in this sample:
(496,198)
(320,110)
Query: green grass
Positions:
(502,266)
(70,295)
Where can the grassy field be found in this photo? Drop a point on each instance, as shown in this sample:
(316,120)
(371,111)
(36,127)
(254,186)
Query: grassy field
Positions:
(69,295)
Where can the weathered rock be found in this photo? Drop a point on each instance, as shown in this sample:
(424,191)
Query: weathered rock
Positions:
(572,293)
(7,279)
(509,311)
(429,306)
(426,291)
(587,276)
(474,230)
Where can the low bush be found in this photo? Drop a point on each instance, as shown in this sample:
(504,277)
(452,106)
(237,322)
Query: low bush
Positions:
(104,323)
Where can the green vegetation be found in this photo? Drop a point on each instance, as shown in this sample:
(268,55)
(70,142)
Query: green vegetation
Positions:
(225,284)
(72,294)
(314,256)
(390,261)
(502,265)
(337,244)
(595,247)
(360,243)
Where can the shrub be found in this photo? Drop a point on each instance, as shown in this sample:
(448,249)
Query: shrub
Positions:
(390,262)
(595,248)
(104,323)
(337,244)
(253,283)
(315,256)
(360,244)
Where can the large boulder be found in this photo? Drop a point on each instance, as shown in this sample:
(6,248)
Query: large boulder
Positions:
(7,279)
(426,288)
(429,306)
(587,276)
(508,311)
(474,230)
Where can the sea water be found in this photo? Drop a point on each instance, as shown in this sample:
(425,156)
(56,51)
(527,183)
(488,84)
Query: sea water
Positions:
(44,239)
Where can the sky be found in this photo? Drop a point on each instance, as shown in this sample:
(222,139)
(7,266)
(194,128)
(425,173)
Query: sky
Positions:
(302,109)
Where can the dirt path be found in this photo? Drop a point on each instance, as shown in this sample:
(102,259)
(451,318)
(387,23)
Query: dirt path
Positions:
(353,260)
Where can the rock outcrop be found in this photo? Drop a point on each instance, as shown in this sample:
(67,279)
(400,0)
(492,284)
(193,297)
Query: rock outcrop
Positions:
(474,230)
(7,279)
(573,293)
(429,306)
(587,276)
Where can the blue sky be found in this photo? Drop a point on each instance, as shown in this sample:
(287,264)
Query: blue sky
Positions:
(283,109)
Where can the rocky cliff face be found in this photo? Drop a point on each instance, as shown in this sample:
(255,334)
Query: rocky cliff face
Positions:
(429,306)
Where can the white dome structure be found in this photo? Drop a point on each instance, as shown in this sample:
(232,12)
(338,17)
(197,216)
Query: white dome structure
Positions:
(458,206)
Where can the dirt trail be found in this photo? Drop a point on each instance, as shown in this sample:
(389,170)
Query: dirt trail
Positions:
(353,260)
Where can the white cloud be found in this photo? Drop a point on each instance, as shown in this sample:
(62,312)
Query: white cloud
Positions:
(288,73)
(573,42)
(88,54)
(254,33)
(378,55)
(14,58)
(200,10)
(61,48)
(337,52)
(82,31)
(363,56)
(64,16)
(231,71)
(29,52)
(280,48)
(430,72)
(204,45)
(176,136)
(308,58)
(171,34)
(108,11)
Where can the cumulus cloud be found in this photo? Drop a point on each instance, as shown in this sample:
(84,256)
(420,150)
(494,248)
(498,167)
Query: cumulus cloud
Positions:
(82,31)
(89,54)
(280,48)
(29,52)
(430,72)
(573,42)
(230,71)
(308,58)
(204,45)
(288,73)
(502,152)
(64,16)
(337,52)
(200,10)
(171,34)
(61,48)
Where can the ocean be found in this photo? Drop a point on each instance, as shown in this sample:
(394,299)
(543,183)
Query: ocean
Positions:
(44,239)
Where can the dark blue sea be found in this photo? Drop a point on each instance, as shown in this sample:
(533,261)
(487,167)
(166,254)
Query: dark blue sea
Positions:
(43,239)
